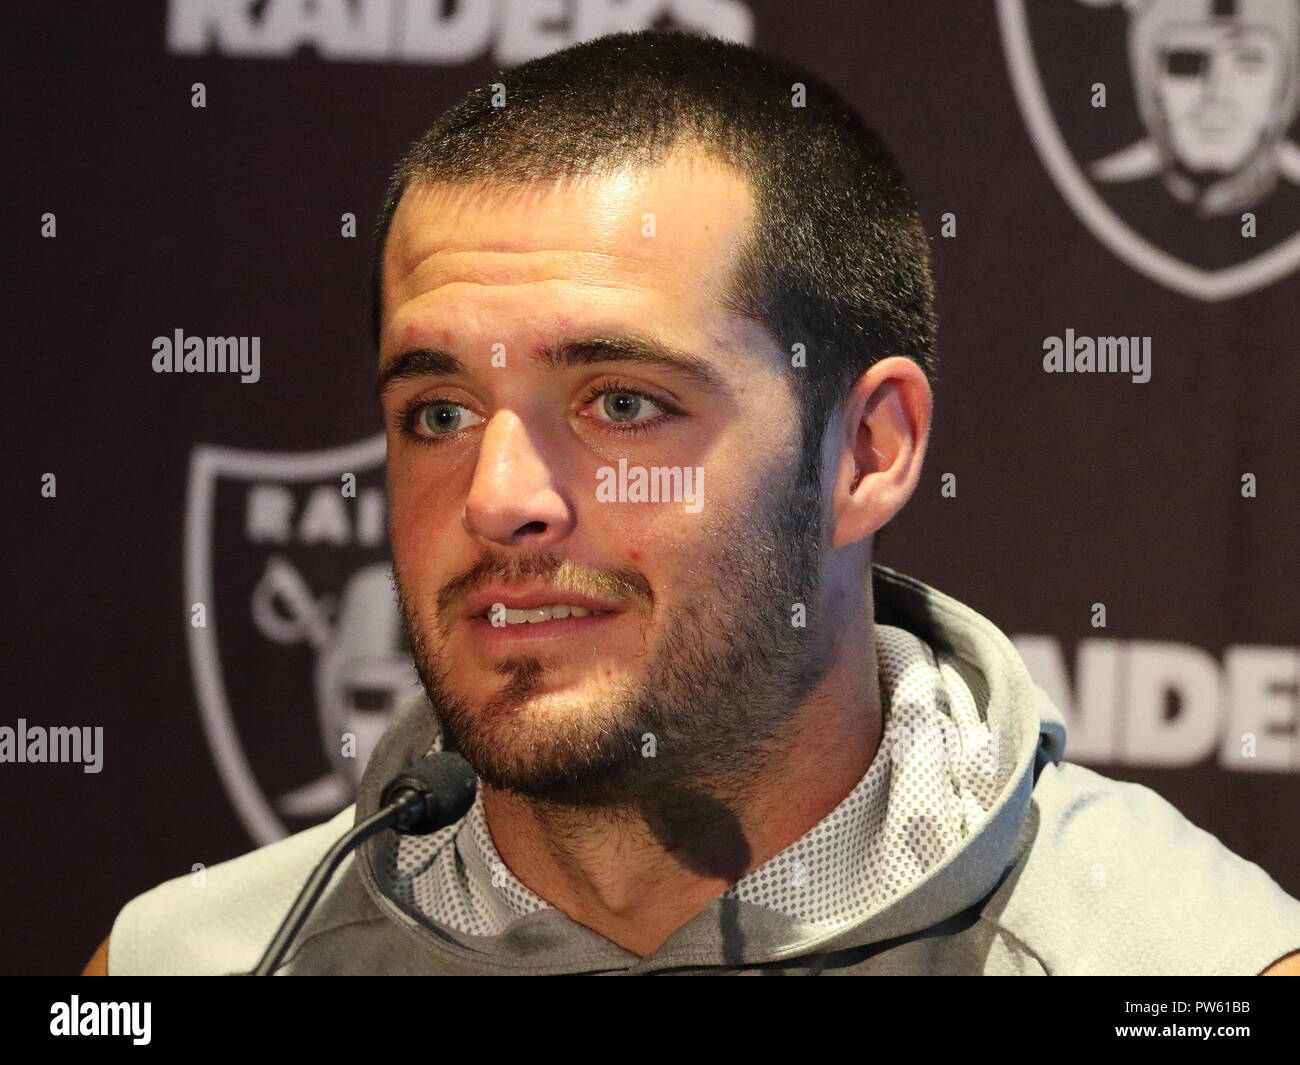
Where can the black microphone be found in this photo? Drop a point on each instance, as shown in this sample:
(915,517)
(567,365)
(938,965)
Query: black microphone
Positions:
(436,792)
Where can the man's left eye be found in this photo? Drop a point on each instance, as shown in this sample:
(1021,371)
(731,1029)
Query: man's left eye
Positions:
(627,406)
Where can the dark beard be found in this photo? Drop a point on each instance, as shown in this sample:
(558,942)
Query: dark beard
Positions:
(731,673)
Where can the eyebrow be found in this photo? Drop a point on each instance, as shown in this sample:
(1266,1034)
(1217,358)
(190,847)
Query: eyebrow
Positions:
(591,351)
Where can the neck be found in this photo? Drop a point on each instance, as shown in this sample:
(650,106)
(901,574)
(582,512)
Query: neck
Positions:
(636,876)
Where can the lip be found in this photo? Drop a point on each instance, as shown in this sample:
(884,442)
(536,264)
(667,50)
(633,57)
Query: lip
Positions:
(526,597)
(486,634)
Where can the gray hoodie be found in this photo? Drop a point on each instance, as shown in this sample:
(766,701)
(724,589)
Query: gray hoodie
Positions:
(1046,867)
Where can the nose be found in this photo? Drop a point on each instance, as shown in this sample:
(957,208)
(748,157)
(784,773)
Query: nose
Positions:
(513,499)
(1219,77)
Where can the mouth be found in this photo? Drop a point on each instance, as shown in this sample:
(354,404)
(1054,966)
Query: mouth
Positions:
(534,605)
(542,626)
(538,615)
(505,616)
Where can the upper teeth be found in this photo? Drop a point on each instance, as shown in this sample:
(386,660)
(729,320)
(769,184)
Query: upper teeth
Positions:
(542,613)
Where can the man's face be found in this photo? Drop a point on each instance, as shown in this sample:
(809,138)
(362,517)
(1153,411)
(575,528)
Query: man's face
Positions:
(507,486)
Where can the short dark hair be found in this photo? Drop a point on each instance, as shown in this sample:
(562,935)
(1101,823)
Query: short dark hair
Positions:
(837,258)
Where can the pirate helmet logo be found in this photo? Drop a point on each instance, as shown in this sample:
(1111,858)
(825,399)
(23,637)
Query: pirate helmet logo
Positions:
(1213,91)
(300,621)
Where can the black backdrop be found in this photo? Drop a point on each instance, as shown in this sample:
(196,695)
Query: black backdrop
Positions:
(1072,489)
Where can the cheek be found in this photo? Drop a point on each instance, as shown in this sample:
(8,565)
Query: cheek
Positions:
(651,540)
(420,511)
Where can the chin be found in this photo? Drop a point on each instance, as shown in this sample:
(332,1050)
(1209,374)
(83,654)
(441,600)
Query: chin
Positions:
(560,776)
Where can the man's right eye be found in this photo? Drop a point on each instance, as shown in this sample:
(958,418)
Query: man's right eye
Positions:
(432,419)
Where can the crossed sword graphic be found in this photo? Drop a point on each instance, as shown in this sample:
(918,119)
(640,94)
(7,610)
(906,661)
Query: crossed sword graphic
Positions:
(308,619)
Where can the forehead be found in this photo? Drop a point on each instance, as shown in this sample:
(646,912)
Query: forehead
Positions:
(658,241)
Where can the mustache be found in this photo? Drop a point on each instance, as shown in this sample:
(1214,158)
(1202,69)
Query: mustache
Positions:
(562,574)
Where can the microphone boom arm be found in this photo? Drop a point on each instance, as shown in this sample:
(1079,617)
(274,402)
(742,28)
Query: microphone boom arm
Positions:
(311,891)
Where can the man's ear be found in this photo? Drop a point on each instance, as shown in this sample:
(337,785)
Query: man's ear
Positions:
(880,446)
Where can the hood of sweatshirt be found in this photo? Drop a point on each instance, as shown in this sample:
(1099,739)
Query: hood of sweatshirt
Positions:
(941,813)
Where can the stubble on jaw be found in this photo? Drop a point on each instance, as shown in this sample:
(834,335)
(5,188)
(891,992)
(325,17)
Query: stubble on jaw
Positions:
(729,675)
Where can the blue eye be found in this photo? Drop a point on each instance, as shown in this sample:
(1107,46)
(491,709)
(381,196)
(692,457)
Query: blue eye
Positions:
(625,406)
(442,417)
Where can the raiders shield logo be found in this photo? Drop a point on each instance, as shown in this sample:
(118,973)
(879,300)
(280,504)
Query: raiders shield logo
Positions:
(296,642)
(1167,127)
